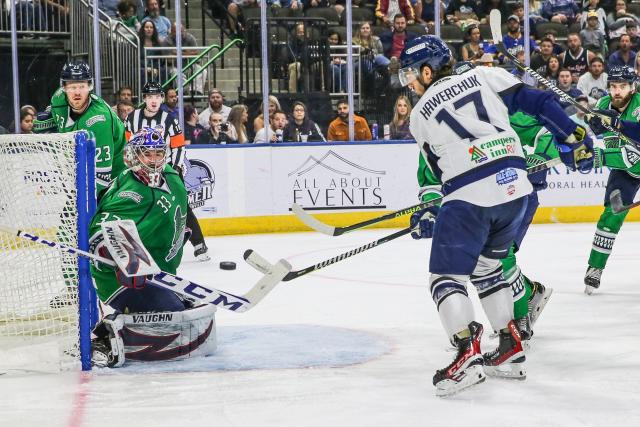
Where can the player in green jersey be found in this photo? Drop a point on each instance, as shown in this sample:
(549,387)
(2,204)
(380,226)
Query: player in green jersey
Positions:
(624,161)
(74,107)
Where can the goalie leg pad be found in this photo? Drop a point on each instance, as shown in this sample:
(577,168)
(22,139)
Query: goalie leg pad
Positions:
(449,292)
(170,335)
(495,293)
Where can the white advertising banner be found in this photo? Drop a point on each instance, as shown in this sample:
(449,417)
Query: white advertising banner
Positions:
(240,181)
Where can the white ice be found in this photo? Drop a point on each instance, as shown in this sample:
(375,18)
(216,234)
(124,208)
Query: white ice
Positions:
(357,345)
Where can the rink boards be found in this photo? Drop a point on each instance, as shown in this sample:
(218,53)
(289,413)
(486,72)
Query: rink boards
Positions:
(250,189)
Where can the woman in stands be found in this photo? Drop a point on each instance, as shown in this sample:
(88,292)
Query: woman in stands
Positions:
(274,105)
(238,118)
(553,69)
(371,48)
(300,128)
(149,37)
(399,126)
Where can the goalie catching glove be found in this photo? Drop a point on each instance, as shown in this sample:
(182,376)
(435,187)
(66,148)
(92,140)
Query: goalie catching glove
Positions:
(576,152)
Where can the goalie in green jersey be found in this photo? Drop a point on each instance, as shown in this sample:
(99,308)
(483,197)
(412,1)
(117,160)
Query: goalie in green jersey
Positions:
(529,296)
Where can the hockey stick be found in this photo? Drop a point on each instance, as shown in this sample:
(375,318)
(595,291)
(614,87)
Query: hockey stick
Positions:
(331,230)
(496,33)
(617,205)
(192,291)
(259,263)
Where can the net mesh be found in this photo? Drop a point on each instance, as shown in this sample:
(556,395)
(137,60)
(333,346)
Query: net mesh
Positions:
(38,284)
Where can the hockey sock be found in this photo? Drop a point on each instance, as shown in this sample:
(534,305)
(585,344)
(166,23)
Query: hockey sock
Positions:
(521,305)
(453,303)
(496,297)
(607,229)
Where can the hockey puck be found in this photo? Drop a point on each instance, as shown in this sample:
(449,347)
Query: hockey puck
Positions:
(227,265)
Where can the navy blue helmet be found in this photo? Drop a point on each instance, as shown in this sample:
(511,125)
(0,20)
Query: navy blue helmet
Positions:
(77,71)
(429,50)
(152,87)
(621,74)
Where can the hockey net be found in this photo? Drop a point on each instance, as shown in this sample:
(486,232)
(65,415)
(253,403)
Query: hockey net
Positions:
(41,179)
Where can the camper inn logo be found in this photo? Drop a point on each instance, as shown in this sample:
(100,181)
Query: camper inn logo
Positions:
(334,182)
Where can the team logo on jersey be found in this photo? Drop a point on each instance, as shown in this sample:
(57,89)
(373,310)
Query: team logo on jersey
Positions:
(95,119)
(632,156)
(506,176)
(477,155)
(199,181)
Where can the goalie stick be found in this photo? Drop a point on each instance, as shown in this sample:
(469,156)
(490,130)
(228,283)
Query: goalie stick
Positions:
(190,290)
(331,230)
(617,205)
(496,33)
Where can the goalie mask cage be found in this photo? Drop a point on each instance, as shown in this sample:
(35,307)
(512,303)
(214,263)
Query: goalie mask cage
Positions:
(47,299)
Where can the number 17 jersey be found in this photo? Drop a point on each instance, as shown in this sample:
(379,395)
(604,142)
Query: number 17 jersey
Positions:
(462,127)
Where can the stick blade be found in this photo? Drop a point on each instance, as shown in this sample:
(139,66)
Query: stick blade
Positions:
(257,261)
(617,205)
(311,222)
(274,275)
(495,21)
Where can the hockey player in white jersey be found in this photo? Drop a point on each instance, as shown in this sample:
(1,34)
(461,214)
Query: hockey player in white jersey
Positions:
(461,124)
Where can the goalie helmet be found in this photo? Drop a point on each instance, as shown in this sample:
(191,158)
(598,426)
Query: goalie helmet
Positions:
(429,50)
(145,155)
(76,71)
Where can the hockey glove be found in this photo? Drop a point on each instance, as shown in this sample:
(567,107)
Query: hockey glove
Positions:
(134,282)
(422,222)
(539,179)
(598,121)
(577,151)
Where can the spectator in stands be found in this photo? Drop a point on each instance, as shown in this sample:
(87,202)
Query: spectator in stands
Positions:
(588,11)
(393,41)
(125,93)
(463,13)
(551,35)
(297,50)
(520,57)
(338,64)
(123,108)
(339,127)
(371,48)
(170,104)
(591,36)
(188,40)
(565,84)
(275,132)
(216,104)
(428,16)
(162,23)
(576,59)
(535,13)
(632,32)
(399,126)
(617,20)
(219,132)
(594,83)
(475,47)
(26,122)
(489,5)
(233,7)
(578,117)
(149,37)
(561,11)
(553,69)
(515,38)
(540,60)
(191,126)
(128,14)
(624,55)
(637,65)
(29,109)
(387,10)
(300,128)
(109,7)
(274,105)
(238,118)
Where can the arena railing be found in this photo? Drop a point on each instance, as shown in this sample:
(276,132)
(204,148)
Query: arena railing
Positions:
(37,18)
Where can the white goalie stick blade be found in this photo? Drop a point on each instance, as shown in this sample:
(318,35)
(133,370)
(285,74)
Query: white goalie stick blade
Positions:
(496,26)
(126,248)
(311,222)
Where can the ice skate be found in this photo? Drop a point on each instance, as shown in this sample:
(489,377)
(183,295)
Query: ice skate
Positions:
(592,279)
(201,252)
(524,327)
(539,297)
(507,361)
(466,369)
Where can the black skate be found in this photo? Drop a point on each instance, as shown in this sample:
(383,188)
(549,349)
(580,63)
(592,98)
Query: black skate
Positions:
(540,295)
(466,368)
(592,279)
(507,361)
(201,252)
(524,327)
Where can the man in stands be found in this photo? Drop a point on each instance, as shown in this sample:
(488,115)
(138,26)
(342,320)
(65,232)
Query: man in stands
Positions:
(624,56)
(162,23)
(170,104)
(275,131)
(576,59)
(386,11)
(339,128)
(216,103)
(594,83)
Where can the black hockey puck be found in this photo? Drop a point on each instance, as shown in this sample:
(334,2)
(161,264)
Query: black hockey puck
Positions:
(227,265)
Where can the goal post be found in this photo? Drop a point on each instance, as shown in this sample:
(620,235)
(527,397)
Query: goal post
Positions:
(48,304)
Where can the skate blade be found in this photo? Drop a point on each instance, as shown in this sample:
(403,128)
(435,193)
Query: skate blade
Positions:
(535,313)
(203,258)
(511,371)
(589,289)
(472,376)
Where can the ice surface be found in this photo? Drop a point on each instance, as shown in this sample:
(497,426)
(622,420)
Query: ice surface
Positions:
(357,345)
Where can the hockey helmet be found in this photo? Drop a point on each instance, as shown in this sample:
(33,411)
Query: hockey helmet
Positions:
(621,74)
(145,155)
(152,88)
(429,50)
(76,71)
